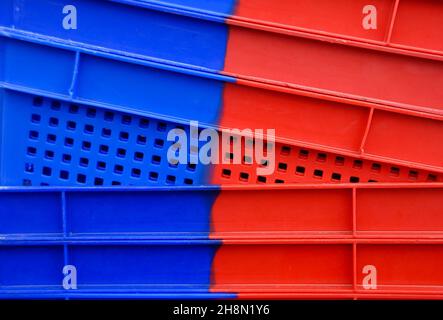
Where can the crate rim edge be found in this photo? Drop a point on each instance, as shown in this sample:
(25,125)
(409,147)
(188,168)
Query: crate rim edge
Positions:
(252,187)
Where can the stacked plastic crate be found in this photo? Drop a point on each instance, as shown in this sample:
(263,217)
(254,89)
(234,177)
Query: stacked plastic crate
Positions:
(92,208)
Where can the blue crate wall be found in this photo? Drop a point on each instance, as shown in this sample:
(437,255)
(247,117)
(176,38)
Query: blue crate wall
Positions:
(52,142)
(127,29)
(139,242)
(105,213)
(138,268)
(112,81)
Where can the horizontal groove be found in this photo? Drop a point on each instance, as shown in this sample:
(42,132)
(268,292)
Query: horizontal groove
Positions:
(258,188)
(190,241)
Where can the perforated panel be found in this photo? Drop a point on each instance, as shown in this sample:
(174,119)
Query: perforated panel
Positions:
(59,143)
(51,142)
(295,164)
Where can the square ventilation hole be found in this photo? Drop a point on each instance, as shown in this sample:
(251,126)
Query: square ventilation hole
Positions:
(244,176)
(226,173)
(354,179)
(261,179)
(300,170)
(153,176)
(339,161)
(170,179)
(318,173)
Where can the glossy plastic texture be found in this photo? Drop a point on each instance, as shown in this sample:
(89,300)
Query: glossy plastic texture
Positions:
(123,29)
(301,119)
(133,242)
(57,142)
(52,142)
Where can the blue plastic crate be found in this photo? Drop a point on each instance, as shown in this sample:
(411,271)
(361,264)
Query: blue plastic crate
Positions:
(138,243)
(58,214)
(115,82)
(48,141)
(135,269)
(128,27)
(116,59)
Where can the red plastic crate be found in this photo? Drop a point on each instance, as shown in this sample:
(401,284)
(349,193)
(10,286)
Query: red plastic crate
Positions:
(397,20)
(326,66)
(352,128)
(294,246)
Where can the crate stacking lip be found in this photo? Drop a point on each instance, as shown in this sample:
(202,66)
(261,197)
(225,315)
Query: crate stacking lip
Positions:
(337,125)
(145,243)
(51,141)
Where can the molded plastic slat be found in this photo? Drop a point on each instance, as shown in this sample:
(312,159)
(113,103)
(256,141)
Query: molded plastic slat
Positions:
(90,77)
(297,270)
(108,268)
(107,214)
(375,211)
(124,29)
(332,68)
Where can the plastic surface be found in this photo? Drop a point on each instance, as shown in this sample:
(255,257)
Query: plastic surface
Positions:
(200,41)
(299,164)
(52,142)
(93,107)
(58,142)
(344,19)
(124,29)
(367,75)
(340,125)
(341,19)
(134,243)
(196,38)
(141,87)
